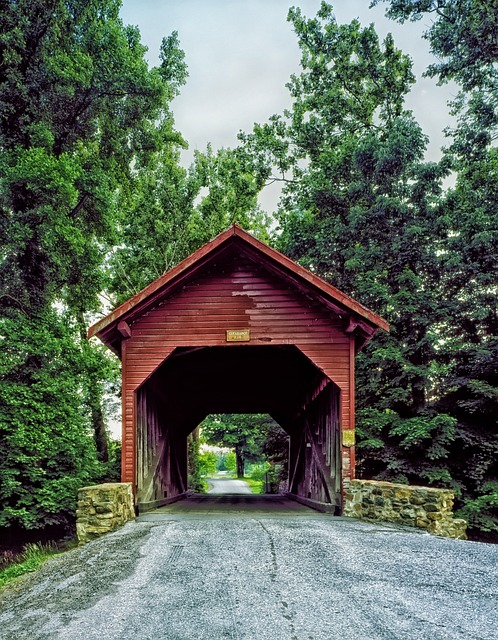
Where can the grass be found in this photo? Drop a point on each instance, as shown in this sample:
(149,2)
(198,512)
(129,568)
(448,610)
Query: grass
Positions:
(257,486)
(30,558)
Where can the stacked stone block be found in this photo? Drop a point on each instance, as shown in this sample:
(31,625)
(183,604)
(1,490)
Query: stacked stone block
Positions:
(103,508)
(422,507)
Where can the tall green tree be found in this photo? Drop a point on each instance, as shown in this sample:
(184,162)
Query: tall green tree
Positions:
(360,207)
(154,224)
(80,112)
(463,39)
(228,193)
(173,211)
(46,453)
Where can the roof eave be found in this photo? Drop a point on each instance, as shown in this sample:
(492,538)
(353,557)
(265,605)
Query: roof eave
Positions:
(170,276)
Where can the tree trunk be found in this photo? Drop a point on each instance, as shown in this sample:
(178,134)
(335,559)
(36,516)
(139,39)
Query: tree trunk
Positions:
(93,398)
(240,463)
(99,432)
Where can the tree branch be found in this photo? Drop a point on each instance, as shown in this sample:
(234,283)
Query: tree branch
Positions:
(79,206)
(18,303)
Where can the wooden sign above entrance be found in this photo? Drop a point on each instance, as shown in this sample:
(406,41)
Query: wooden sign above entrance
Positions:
(238,335)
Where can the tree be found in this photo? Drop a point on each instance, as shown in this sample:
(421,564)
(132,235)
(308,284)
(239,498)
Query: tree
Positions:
(46,452)
(245,433)
(230,194)
(207,463)
(360,208)
(462,36)
(173,211)
(227,462)
(80,112)
(155,224)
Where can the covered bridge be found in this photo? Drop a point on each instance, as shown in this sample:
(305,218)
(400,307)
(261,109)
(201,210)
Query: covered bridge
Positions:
(237,327)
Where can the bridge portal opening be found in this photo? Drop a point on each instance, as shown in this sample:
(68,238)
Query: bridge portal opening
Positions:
(280,381)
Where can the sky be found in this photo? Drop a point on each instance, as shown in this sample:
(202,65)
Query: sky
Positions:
(241,53)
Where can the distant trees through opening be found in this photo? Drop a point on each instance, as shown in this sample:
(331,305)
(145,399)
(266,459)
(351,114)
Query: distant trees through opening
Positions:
(245,445)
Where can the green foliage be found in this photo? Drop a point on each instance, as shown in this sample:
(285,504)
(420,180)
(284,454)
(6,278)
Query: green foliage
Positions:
(255,438)
(172,212)
(480,512)
(228,193)
(233,431)
(112,468)
(413,449)
(79,104)
(46,450)
(81,114)
(258,471)
(229,462)
(207,463)
(256,485)
(267,477)
(257,477)
(155,224)
(462,36)
(362,209)
(195,482)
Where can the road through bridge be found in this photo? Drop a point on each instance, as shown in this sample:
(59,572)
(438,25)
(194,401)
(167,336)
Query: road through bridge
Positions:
(262,570)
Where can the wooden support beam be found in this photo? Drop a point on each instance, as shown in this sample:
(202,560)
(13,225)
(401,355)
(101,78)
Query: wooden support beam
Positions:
(320,463)
(146,491)
(293,474)
(351,326)
(124,329)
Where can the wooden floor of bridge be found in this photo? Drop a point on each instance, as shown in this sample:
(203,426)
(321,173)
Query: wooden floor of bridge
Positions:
(248,505)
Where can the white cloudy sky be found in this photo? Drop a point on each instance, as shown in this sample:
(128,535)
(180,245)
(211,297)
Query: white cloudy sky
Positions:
(240,54)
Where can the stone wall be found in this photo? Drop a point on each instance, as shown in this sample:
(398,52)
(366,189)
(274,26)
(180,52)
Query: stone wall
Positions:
(103,508)
(422,507)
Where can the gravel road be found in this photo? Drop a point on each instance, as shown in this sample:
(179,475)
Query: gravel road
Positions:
(228,485)
(259,575)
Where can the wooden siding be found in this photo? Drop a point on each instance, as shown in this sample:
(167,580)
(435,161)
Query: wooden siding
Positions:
(110,329)
(161,453)
(236,293)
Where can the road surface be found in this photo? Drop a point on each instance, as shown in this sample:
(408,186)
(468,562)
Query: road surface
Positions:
(274,571)
(228,485)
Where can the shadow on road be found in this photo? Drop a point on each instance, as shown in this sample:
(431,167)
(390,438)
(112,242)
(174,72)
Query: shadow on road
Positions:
(230,504)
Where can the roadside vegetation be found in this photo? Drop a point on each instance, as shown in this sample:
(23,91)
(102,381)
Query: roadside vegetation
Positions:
(32,556)
(251,447)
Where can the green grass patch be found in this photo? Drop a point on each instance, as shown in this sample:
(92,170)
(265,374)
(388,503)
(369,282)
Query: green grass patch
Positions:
(31,557)
(257,486)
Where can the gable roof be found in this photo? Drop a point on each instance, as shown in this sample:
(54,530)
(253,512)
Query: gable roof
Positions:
(112,329)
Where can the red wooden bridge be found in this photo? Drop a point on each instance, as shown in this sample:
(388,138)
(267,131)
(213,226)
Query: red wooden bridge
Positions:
(238,327)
